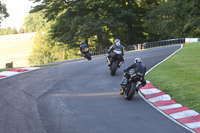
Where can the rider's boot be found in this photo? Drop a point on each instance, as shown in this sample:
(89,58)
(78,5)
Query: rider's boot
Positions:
(124,82)
(123,85)
(83,54)
(121,91)
(138,87)
(121,63)
(108,60)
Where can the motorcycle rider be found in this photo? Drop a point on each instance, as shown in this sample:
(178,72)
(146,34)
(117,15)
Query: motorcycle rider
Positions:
(115,46)
(82,47)
(139,68)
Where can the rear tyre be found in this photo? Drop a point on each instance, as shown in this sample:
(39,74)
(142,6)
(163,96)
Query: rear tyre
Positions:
(113,68)
(130,91)
(88,56)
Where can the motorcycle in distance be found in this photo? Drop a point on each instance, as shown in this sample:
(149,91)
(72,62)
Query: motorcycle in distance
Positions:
(115,61)
(87,54)
(132,84)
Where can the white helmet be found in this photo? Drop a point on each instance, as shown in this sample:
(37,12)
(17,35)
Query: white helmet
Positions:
(138,60)
(117,42)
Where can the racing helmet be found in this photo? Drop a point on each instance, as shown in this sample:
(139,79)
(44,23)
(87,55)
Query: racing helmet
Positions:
(138,60)
(117,42)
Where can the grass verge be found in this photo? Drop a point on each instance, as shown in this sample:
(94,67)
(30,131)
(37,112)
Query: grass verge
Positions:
(6,69)
(179,76)
(45,65)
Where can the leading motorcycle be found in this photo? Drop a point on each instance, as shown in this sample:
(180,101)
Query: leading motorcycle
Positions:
(87,54)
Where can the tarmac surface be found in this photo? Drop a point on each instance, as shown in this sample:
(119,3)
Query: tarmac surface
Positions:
(80,96)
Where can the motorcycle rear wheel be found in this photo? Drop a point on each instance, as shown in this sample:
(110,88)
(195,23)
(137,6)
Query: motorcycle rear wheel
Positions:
(88,56)
(130,91)
(113,68)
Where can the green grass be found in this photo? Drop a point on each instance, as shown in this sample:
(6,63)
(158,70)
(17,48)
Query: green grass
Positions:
(46,65)
(6,69)
(16,48)
(179,76)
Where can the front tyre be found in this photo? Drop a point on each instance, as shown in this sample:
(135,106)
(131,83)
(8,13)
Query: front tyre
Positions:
(130,92)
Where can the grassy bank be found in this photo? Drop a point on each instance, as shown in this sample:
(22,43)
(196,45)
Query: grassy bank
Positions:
(16,48)
(46,65)
(180,76)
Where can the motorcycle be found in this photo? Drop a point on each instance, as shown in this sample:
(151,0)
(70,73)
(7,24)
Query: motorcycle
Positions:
(87,54)
(132,84)
(115,61)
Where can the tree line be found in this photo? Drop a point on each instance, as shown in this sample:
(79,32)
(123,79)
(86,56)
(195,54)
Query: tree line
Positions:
(68,22)
(98,23)
(133,21)
(3,12)
(32,23)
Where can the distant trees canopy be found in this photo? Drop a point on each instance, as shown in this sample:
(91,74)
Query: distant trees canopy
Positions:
(174,19)
(3,12)
(77,20)
(8,31)
(99,22)
(45,51)
(132,21)
(34,22)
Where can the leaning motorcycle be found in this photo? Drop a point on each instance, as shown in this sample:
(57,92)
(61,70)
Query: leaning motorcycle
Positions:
(87,54)
(132,84)
(115,61)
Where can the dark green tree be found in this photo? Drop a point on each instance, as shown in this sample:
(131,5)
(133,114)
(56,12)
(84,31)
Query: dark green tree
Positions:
(3,12)
(100,21)
(174,19)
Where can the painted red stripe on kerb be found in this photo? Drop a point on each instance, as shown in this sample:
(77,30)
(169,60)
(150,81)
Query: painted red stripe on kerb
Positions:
(18,70)
(155,95)
(2,76)
(175,110)
(197,130)
(190,119)
(148,86)
(164,103)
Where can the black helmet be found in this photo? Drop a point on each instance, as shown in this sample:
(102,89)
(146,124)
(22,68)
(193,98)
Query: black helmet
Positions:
(138,60)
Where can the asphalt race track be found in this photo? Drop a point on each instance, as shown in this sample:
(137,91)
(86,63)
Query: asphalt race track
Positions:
(80,96)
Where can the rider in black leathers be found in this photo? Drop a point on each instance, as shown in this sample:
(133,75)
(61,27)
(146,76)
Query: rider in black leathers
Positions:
(82,47)
(118,46)
(139,68)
